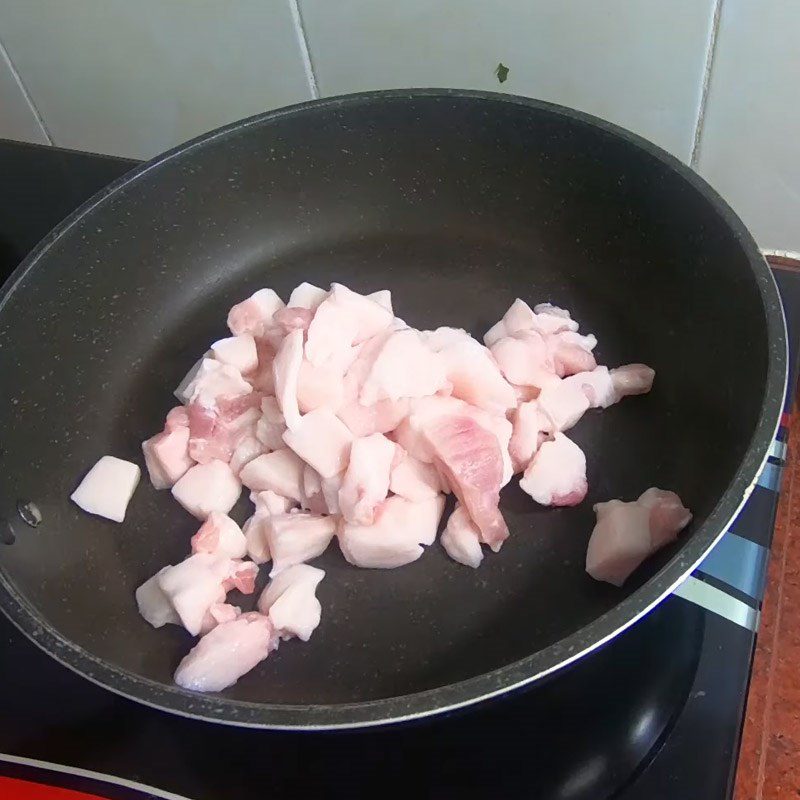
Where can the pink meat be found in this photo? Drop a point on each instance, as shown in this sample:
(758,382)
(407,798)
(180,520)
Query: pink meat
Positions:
(293,319)
(632,379)
(221,536)
(414,479)
(254,315)
(271,425)
(461,539)
(557,474)
(563,403)
(154,605)
(410,434)
(306,295)
(217,614)
(383,297)
(214,431)
(242,577)
(285,373)
(331,333)
(296,538)
(215,380)
(596,385)
(226,653)
(569,358)
(469,457)
(245,451)
(177,417)
(531,428)
(166,456)
(371,317)
(366,481)
(280,471)
(322,440)
(668,515)
(404,367)
(471,370)
(266,503)
(195,584)
(381,417)
(320,387)
(237,351)
(525,359)
(544,318)
(291,603)
(627,533)
(206,488)
(395,537)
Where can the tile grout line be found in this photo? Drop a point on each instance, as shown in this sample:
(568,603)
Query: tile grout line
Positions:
(765,730)
(25,94)
(305,53)
(707,69)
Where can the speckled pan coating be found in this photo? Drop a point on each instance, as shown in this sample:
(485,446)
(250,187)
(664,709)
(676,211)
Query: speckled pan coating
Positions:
(458,202)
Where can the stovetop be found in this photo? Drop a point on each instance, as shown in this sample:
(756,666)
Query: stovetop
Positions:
(656,713)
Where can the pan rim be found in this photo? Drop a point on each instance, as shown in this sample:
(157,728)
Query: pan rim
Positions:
(218,708)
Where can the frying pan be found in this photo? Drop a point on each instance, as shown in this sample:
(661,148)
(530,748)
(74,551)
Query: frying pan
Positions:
(458,202)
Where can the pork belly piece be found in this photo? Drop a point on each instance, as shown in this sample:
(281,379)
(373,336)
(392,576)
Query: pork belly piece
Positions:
(627,533)
(267,503)
(525,359)
(306,295)
(414,479)
(107,488)
(206,488)
(404,367)
(322,440)
(531,428)
(254,315)
(297,537)
(154,605)
(557,474)
(221,536)
(461,539)
(271,425)
(285,373)
(396,536)
(469,457)
(193,585)
(237,351)
(226,653)
(166,455)
(410,433)
(290,602)
(281,471)
(471,370)
(366,480)
(215,380)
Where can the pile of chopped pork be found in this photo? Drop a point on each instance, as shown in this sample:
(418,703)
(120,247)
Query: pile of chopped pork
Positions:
(343,422)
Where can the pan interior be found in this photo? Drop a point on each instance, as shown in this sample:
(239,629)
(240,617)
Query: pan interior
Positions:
(456,205)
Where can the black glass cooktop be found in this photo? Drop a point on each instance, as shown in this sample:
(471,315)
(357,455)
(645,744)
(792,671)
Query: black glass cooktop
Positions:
(656,713)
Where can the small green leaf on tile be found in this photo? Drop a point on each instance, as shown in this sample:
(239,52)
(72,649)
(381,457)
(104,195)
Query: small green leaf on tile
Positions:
(502,72)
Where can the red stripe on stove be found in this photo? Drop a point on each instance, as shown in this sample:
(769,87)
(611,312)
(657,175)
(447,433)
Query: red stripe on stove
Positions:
(26,790)
(786,419)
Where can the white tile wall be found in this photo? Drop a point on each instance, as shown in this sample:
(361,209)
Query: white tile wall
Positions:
(639,64)
(750,147)
(17,117)
(134,77)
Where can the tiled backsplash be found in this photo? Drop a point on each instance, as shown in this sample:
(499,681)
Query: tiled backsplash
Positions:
(713,81)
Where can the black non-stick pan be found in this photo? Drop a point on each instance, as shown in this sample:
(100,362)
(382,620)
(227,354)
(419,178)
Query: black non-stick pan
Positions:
(458,202)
